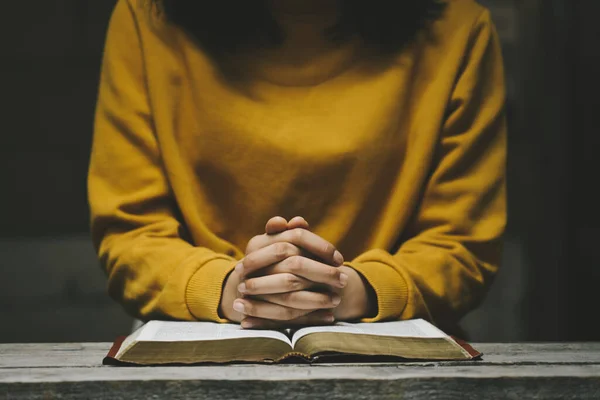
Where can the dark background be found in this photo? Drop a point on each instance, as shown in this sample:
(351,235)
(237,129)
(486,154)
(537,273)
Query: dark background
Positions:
(51,288)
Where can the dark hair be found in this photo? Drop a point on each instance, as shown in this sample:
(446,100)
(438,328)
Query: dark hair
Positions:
(227,26)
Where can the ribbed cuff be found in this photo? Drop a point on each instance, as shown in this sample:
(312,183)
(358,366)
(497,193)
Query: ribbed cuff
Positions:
(390,288)
(205,287)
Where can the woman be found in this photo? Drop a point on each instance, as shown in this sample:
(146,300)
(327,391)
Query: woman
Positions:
(380,123)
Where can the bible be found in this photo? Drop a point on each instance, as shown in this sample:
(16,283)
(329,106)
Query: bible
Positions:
(170,342)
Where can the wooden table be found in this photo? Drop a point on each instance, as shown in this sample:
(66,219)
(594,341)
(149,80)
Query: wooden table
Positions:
(507,371)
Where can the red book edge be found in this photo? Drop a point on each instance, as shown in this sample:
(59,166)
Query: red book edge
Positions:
(472,352)
(110,358)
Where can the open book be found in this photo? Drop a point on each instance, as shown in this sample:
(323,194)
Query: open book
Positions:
(165,342)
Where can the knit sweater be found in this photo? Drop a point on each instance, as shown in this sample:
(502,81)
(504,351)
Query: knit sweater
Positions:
(399,162)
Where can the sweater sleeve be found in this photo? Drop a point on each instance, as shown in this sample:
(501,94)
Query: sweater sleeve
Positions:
(153,270)
(453,246)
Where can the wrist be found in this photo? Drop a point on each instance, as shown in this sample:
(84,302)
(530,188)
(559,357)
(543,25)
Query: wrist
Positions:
(358,300)
(228,296)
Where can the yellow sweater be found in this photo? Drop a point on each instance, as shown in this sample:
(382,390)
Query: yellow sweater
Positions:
(399,164)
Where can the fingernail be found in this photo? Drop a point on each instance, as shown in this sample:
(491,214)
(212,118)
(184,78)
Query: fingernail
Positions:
(239,306)
(239,269)
(338,258)
(329,318)
(343,279)
(242,287)
(336,299)
(246,324)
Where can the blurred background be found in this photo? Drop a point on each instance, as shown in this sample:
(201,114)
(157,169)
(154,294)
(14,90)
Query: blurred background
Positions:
(52,289)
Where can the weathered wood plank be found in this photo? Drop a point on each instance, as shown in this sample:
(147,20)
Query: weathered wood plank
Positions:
(539,353)
(67,371)
(271,373)
(91,354)
(52,355)
(422,388)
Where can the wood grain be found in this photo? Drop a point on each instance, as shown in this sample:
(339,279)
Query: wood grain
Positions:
(545,371)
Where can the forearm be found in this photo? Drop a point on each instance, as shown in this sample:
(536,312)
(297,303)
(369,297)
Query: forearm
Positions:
(228,296)
(358,300)
(162,276)
(422,280)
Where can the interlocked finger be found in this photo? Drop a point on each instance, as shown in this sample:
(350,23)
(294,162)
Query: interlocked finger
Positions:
(303,300)
(276,283)
(265,310)
(319,317)
(310,269)
(304,239)
(266,256)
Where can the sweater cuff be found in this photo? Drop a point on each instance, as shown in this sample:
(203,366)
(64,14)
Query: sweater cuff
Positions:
(390,288)
(205,287)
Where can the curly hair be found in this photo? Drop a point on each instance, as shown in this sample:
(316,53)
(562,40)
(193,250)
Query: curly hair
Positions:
(227,26)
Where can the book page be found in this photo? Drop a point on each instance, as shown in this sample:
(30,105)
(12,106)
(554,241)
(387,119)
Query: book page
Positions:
(179,331)
(129,340)
(417,328)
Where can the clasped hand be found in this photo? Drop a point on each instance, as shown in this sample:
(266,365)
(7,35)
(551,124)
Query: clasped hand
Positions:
(291,276)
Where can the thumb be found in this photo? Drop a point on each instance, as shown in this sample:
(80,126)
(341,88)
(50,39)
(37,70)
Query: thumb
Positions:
(298,222)
(276,225)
